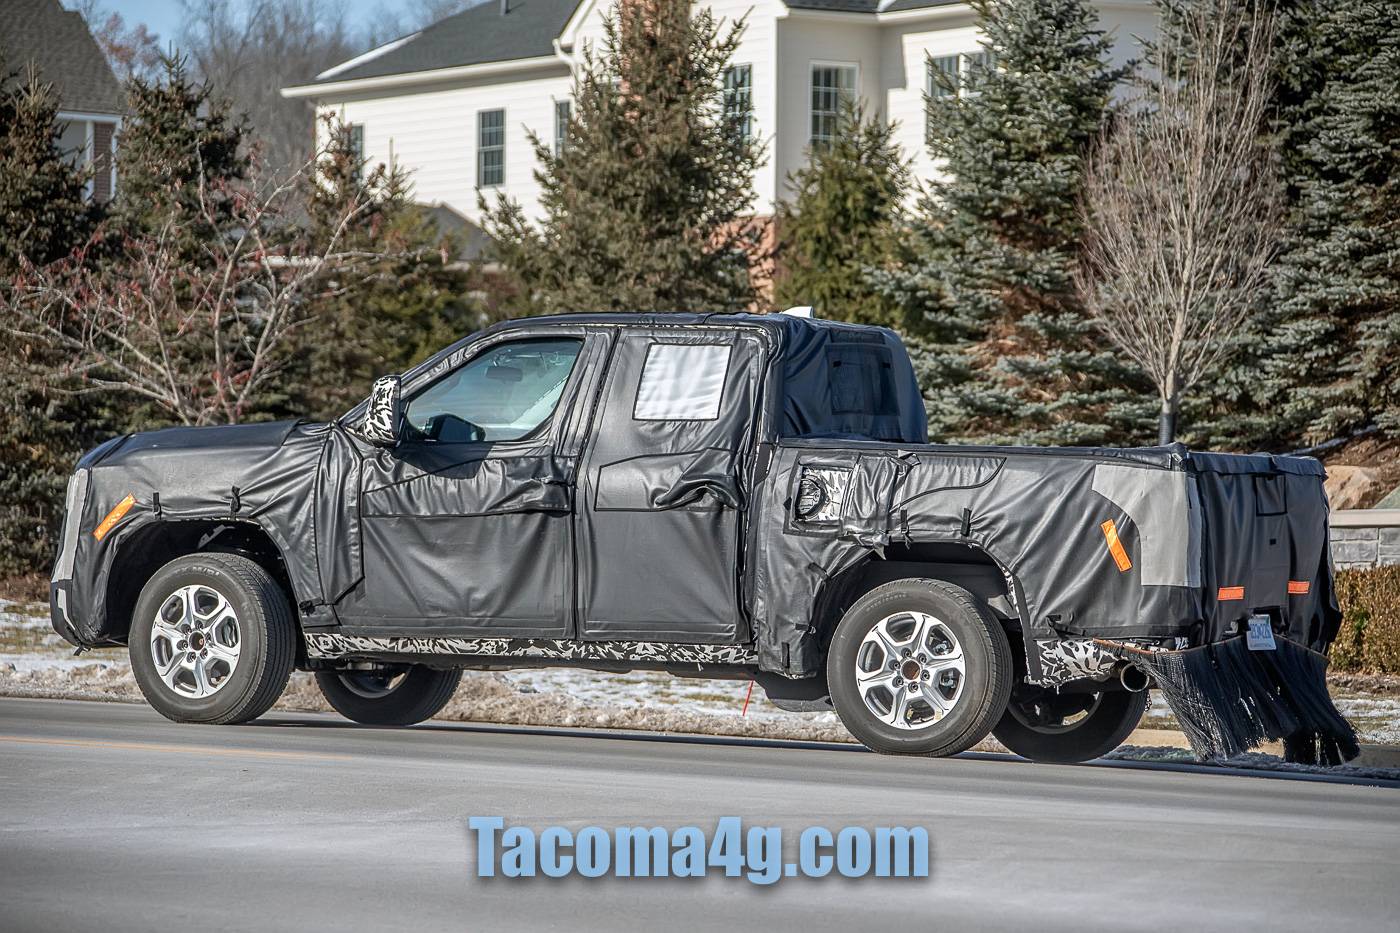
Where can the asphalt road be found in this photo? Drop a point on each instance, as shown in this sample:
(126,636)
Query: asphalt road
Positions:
(112,818)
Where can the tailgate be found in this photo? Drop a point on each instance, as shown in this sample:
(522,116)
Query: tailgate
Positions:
(1265,546)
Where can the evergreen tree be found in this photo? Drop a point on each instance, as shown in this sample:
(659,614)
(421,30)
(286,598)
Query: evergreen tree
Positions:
(1324,358)
(1003,349)
(180,144)
(407,298)
(46,216)
(644,209)
(46,213)
(842,221)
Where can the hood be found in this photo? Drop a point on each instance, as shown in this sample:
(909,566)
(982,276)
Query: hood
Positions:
(214,438)
(212,459)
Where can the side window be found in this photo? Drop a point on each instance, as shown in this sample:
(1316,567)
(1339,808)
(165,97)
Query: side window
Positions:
(682,382)
(504,394)
(490,148)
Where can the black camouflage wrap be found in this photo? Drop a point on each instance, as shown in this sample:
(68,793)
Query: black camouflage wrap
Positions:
(609,528)
(1191,525)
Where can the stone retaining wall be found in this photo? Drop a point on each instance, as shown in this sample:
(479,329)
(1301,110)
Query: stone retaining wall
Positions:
(1365,538)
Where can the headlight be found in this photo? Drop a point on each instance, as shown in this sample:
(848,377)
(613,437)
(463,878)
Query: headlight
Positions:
(72,515)
(820,494)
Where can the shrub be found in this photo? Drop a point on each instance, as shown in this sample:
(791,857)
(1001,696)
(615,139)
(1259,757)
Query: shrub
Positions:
(1369,640)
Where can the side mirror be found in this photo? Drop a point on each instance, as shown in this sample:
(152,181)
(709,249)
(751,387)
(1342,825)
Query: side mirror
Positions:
(384,414)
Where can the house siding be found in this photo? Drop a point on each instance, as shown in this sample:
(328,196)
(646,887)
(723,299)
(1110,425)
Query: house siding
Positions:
(906,50)
(802,41)
(433,132)
(431,128)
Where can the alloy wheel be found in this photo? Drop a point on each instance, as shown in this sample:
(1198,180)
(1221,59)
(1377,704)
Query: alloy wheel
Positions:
(910,670)
(195,641)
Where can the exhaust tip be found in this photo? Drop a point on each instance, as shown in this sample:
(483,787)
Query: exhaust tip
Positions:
(1133,678)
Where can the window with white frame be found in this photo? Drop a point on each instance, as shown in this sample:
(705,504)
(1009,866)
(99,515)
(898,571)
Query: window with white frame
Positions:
(490,148)
(949,75)
(738,99)
(943,74)
(832,85)
(563,110)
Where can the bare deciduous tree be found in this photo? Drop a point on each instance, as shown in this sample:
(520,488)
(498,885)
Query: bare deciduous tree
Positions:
(202,339)
(1182,203)
(130,50)
(248,50)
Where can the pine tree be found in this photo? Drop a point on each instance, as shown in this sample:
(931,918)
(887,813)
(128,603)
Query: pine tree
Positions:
(181,143)
(644,209)
(843,220)
(1321,359)
(1003,349)
(46,213)
(46,216)
(1328,353)
(408,298)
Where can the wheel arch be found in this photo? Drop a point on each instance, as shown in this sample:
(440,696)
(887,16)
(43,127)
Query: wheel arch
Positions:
(158,543)
(961,563)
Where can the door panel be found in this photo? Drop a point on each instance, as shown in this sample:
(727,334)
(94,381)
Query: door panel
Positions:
(466,527)
(497,574)
(663,482)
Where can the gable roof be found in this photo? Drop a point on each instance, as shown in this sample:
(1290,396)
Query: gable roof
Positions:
(475,36)
(57,41)
(485,35)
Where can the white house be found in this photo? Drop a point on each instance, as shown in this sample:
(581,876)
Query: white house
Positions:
(453,103)
(55,42)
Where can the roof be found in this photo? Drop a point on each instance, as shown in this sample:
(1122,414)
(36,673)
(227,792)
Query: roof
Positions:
(483,34)
(899,6)
(59,44)
(475,36)
(471,238)
(867,6)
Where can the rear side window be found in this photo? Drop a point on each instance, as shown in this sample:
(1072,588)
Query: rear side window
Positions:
(862,380)
(682,382)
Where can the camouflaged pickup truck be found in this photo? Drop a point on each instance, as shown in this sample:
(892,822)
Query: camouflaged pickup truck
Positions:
(744,496)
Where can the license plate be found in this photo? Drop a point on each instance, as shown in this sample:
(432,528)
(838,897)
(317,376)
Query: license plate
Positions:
(1260,636)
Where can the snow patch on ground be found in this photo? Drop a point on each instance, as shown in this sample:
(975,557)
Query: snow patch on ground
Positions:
(34,661)
(16,615)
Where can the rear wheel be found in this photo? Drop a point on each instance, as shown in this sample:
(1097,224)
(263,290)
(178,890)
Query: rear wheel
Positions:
(919,667)
(1043,725)
(212,639)
(398,695)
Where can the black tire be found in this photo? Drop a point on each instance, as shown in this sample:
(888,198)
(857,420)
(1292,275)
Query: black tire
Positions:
(985,681)
(1030,728)
(376,698)
(265,630)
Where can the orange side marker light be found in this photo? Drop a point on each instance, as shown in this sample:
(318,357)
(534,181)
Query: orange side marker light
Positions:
(1230,594)
(1299,587)
(1115,546)
(113,517)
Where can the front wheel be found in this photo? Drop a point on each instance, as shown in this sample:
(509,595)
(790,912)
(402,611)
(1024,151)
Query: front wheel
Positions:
(400,695)
(1064,728)
(212,639)
(919,667)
